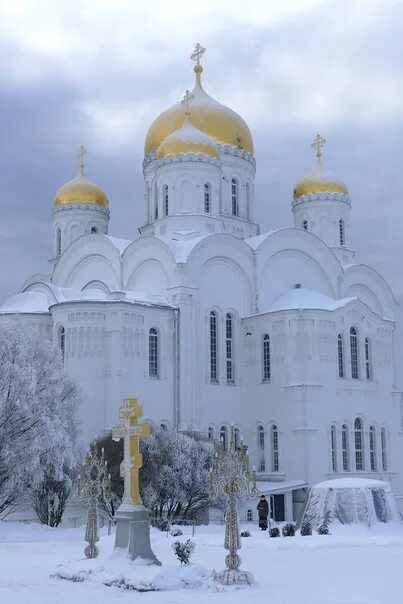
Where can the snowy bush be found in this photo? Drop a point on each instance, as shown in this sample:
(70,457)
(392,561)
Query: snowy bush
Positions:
(113,455)
(38,423)
(288,529)
(245,534)
(306,529)
(183,551)
(176,532)
(161,524)
(323,530)
(274,532)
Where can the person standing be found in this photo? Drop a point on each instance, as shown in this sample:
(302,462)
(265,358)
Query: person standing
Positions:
(263,512)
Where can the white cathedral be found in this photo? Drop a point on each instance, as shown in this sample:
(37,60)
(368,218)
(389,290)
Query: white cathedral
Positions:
(210,322)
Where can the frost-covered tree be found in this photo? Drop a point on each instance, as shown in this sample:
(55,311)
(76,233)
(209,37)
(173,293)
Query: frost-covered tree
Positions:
(113,454)
(38,423)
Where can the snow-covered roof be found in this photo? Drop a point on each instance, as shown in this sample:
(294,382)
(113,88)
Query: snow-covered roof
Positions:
(255,241)
(26,302)
(297,298)
(351,483)
(120,244)
(264,486)
(181,249)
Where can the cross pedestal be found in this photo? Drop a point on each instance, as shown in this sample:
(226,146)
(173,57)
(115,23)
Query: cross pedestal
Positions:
(132,519)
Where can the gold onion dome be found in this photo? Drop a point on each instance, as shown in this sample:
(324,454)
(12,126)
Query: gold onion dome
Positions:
(219,122)
(188,139)
(319,180)
(81,190)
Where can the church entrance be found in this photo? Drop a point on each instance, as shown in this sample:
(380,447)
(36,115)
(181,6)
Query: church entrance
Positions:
(277,508)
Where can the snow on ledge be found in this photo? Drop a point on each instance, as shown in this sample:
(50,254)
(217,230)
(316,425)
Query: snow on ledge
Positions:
(307,299)
(26,302)
(351,483)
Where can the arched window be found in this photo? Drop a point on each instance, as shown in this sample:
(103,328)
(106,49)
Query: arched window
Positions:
(163,426)
(333,444)
(358,440)
(249,516)
(345,448)
(383,450)
(305,225)
(234,197)
(260,444)
(155,202)
(274,448)
(224,436)
(62,341)
(94,230)
(58,242)
(372,448)
(340,354)
(213,347)
(211,433)
(165,197)
(354,353)
(153,353)
(368,364)
(237,438)
(266,358)
(229,347)
(207,199)
(341,232)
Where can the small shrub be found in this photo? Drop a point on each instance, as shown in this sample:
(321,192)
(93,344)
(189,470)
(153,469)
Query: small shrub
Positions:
(161,523)
(274,532)
(323,530)
(245,534)
(176,532)
(306,529)
(288,530)
(183,551)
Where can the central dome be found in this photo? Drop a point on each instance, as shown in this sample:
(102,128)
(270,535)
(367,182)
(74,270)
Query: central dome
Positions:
(220,123)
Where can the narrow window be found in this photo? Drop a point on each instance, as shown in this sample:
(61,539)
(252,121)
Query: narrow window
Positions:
(249,517)
(237,438)
(383,447)
(354,353)
(341,232)
(155,202)
(94,230)
(266,358)
(166,200)
(372,448)
(213,347)
(359,464)
(58,242)
(260,444)
(368,364)
(234,197)
(333,448)
(207,199)
(274,448)
(305,225)
(340,354)
(153,369)
(211,433)
(62,341)
(229,347)
(345,448)
(224,437)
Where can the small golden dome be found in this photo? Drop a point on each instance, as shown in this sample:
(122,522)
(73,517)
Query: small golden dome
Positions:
(219,122)
(319,181)
(188,139)
(81,189)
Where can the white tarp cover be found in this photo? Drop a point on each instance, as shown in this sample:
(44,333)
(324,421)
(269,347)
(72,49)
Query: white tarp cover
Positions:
(351,500)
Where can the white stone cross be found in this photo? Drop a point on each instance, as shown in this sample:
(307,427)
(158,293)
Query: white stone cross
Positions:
(187,99)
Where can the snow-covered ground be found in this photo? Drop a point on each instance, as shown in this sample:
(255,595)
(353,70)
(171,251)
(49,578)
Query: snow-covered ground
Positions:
(351,566)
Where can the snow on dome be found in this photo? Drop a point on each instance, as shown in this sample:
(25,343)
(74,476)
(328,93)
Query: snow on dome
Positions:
(319,181)
(26,302)
(351,500)
(188,139)
(299,297)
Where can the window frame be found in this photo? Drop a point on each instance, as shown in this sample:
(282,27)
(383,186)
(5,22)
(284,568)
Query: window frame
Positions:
(373,462)
(234,197)
(342,232)
(229,348)
(165,199)
(58,241)
(266,366)
(384,456)
(304,225)
(213,340)
(359,445)
(354,353)
(261,438)
(62,341)
(340,356)
(207,198)
(368,359)
(275,457)
(345,447)
(153,353)
(333,448)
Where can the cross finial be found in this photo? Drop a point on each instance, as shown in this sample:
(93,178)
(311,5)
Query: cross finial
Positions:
(81,157)
(317,144)
(197,53)
(187,99)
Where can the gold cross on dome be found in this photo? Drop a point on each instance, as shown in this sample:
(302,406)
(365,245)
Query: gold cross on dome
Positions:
(81,157)
(187,99)
(317,144)
(197,53)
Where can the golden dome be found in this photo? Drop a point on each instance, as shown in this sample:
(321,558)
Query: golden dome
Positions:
(81,189)
(219,122)
(188,139)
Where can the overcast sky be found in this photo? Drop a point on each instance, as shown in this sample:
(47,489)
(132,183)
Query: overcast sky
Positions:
(97,72)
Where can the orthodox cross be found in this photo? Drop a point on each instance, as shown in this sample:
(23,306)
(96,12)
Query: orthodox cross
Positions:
(131,432)
(187,99)
(317,144)
(197,53)
(81,157)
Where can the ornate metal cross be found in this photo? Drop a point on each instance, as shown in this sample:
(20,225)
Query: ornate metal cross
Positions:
(317,144)
(131,432)
(187,99)
(197,53)
(81,157)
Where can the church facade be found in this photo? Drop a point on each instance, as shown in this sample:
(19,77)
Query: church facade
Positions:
(212,324)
